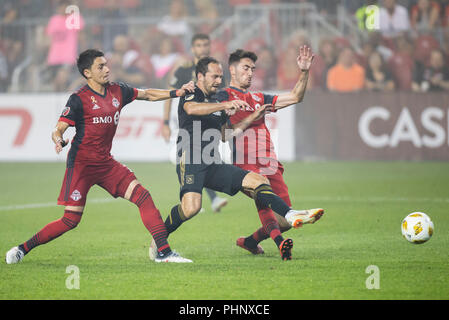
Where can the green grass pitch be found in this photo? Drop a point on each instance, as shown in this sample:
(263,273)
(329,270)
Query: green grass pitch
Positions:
(364,203)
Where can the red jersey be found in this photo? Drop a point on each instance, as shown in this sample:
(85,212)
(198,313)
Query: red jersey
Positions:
(254,146)
(95,118)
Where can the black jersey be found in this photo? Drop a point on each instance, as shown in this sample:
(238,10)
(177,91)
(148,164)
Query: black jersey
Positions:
(183,74)
(199,136)
(186,73)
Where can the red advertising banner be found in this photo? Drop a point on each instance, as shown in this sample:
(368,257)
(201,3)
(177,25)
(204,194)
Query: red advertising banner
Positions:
(373,126)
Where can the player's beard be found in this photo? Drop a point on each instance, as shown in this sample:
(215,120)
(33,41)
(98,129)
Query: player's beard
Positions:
(212,89)
(246,84)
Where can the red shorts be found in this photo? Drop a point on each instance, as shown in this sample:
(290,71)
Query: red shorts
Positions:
(111,175)
(275,176)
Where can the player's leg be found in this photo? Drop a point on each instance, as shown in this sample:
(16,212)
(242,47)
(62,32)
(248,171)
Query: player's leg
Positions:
(149,214)
(75,187)
(251,243)
(267,202)
(121,182)
(265,196)
(232,179)
(191,179)
(190,205)
(69,221)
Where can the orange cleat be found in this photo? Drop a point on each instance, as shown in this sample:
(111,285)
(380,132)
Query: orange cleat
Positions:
(286,249)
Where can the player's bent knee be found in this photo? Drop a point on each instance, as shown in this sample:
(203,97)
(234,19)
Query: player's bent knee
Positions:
(191,204)
(130,188)
(74,208)
(253,180)
(191,210)
(263,180)
(71,218)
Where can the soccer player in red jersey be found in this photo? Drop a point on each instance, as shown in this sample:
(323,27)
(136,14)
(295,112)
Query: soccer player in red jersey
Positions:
(94,110)
(254,150)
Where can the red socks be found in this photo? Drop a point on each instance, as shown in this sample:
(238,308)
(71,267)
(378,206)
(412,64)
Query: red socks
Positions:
(151,217)
(53,230)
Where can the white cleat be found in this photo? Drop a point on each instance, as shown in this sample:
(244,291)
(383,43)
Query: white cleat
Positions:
(15,255)
(218,203)
(153,250)
(173,257)
(298,218)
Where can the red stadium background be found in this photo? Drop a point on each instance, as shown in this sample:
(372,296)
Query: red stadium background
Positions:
(397,109)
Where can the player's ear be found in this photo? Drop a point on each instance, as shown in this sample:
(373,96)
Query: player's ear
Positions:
(232,69)
(87,73)
(200,77)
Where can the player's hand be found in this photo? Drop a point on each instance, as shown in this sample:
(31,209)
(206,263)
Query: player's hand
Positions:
(166,132)
(231,107)
(305,58)
(60,144)
(186,88)
(261,111)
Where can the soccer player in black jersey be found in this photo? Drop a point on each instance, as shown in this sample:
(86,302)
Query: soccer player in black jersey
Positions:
(183,74)
(202,119)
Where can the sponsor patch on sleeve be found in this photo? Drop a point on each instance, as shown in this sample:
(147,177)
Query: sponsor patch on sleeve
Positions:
(66,111)
(189,97)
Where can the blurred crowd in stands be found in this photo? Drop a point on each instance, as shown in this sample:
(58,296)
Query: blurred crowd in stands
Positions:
(407,48)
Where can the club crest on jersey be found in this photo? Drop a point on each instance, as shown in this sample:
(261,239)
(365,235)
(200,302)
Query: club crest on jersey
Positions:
(115,102)
(189,97)
(190,179)
(66,111)
(76,195)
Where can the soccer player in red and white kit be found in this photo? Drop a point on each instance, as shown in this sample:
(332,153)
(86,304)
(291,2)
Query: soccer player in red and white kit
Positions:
(94,110)
(254,150)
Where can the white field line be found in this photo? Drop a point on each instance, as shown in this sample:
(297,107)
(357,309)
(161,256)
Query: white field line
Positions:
(317,199)
(46,204)
(373,199)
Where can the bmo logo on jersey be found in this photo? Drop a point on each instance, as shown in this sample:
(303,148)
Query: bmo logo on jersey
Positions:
(107,119)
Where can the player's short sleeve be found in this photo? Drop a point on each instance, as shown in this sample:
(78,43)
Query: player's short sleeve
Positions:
(72,110)
(196,96)
(221,96)
(270,99)
(129,94)
(176,80)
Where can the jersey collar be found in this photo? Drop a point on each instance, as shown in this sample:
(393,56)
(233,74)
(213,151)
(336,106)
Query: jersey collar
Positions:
(239,90)
(97,93)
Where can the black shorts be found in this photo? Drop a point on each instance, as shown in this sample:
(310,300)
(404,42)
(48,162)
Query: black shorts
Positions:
(225,178)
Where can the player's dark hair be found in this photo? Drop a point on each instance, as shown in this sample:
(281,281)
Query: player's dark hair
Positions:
(240,54)
(203,65)
(199,36)
(86,59)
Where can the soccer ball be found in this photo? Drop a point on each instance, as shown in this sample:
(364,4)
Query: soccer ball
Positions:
(417,227)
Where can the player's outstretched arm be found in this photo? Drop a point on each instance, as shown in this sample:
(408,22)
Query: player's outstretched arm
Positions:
(205,108)
(295,96)
(160,94)
(230,131)
(166,131)
(57,136)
